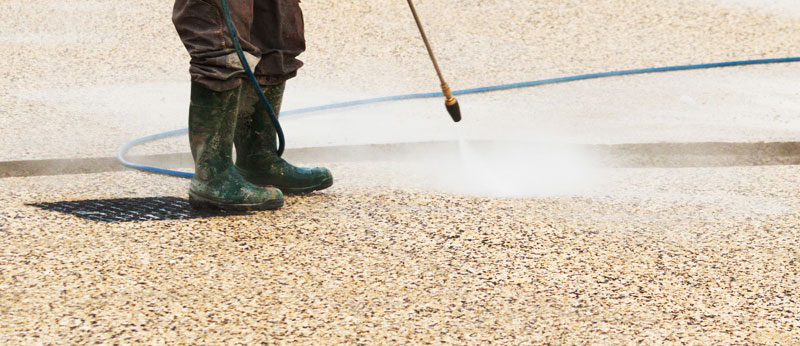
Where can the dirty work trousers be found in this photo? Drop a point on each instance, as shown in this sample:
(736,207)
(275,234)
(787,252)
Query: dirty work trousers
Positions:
(271,34)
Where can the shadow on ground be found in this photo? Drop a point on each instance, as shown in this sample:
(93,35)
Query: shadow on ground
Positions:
(130,209)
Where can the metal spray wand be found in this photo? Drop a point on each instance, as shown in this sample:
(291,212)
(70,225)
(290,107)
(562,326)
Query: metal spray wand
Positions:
(450,101)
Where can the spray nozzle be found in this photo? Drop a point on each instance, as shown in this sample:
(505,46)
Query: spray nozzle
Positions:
(451,103)
(453,109)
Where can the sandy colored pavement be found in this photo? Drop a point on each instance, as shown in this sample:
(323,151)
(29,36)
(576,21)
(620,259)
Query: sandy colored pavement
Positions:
(649,256)
(785,7)
(392,254)
(100,73)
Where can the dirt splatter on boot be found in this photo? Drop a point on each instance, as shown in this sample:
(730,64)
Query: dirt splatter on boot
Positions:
(256,149)
(217,183)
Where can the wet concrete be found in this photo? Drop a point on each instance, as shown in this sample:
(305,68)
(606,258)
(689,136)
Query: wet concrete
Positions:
(708,154)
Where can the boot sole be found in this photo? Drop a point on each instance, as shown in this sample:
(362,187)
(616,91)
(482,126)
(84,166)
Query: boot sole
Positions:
(202,203)
(304,190)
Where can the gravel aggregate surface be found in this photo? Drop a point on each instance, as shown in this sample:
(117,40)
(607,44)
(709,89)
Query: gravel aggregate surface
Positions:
(394,253)
(98,73)
(651,256)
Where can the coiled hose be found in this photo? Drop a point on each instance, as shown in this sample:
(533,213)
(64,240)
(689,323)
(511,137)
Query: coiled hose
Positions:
(128,146)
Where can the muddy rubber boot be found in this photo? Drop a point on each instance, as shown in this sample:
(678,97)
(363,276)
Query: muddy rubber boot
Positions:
(256,148)
(216,182)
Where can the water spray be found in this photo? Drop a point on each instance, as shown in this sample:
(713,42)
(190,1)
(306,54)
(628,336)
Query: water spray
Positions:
(450,101)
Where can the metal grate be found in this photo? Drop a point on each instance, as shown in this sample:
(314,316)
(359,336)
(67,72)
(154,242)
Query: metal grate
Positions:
(129,209)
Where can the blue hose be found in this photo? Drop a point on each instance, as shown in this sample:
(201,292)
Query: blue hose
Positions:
(124,150)
(246,66)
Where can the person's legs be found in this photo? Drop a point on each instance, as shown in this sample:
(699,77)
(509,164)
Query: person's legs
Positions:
(202,29)
(216,87)
(278,32)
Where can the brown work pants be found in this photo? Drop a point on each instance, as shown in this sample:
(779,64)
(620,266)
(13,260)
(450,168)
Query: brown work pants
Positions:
(271,34)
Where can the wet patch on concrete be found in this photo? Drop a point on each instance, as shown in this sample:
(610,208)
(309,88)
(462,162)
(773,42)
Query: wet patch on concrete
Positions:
(630,155)
(31,168)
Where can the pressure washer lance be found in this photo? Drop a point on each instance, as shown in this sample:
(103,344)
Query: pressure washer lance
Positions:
(450,101)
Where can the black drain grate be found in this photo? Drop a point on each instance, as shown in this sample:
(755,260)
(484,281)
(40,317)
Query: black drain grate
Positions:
(129,209)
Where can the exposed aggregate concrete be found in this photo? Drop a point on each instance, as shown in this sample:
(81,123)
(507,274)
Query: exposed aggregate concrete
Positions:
(98,73)
(647,256)
(652,256)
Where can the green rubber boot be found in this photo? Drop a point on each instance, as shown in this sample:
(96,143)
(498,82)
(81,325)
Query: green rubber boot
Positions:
(256,149)
(216,183)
